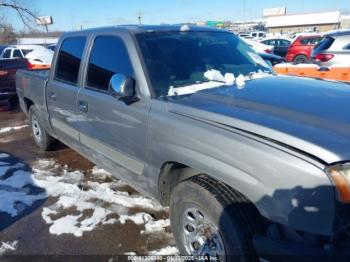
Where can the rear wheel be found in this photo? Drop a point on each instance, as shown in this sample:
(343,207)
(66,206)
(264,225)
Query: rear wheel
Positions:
(207,219)
(300,59)
(40,135)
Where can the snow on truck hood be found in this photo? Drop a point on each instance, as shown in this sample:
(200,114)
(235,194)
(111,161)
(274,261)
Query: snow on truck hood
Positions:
(307,114)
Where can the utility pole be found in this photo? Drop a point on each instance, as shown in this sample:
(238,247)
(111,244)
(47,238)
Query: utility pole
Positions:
(139,17)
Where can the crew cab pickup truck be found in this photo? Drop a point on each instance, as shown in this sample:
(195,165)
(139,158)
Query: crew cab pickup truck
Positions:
(8,68)
(251,164)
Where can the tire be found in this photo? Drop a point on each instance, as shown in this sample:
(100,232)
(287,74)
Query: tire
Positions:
(300,59)
(229,212)
(13,102)
(40,135)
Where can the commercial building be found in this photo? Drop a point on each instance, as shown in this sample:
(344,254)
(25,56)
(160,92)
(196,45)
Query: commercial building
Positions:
(311,22)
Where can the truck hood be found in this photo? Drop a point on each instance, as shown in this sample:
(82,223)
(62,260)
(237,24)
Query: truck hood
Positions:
(312,116)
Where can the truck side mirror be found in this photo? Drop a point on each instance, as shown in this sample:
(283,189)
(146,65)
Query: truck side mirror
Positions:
(123,88)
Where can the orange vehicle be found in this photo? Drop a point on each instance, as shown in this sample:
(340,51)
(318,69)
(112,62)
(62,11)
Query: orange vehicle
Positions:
(340,73)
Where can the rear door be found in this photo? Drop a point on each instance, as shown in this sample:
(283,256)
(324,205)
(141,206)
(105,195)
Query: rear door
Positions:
(109,128)
(62,89)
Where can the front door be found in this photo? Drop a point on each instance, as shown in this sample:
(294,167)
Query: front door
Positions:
(111,129)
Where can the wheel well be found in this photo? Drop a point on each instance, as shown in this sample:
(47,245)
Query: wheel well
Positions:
(28,103)
(172,173)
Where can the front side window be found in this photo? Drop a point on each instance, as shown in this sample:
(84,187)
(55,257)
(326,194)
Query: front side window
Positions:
(69,59)
(177,59)
(108,57)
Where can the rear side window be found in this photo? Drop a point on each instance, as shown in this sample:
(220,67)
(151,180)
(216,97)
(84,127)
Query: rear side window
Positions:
(325,43)
(305,41)
(7,53)
(108,56)
(17,54)
(69,58)
(284,42)
(315,41)
(347,47)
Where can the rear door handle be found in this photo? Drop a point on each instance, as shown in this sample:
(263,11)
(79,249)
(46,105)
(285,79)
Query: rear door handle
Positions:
(52,96)
(83,106)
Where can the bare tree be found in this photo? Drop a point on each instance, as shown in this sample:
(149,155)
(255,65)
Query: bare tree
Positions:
(26,15)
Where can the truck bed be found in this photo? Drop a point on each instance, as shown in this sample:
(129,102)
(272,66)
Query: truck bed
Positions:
(31,85)
(8,68)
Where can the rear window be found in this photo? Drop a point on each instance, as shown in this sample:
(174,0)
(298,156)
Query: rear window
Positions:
(325,43)
(310,40)
(26,51)
(69,58)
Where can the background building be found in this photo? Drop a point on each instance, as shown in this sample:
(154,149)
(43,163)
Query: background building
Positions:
(312,22)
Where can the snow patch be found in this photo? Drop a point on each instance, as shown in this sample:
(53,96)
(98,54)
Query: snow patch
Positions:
(14,194)
(185,28)
(190,89)
(92,201)
(40,56)
(8,246)
(11,128)
(240,81)
(170,250)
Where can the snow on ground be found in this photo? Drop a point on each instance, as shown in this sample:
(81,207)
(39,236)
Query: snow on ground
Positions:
(164,251)
(82,202)
(11,128)
(8,246)
(15,193)
(99,199)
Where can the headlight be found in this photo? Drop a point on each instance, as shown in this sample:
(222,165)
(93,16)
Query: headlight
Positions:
(340,175)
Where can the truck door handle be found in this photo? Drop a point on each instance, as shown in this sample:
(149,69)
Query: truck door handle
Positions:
(83,106)
(52,96)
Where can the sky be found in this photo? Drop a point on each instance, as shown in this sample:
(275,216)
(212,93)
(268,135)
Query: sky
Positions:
(72,14)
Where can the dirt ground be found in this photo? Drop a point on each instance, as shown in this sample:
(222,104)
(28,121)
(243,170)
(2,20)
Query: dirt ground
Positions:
(32,233)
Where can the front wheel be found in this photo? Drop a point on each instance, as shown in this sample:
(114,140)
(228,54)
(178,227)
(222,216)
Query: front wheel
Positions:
(40,135)
(208,221)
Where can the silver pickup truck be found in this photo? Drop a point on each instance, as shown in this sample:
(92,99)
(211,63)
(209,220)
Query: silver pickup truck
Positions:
(251,164)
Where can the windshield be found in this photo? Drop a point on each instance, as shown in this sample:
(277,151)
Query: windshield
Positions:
(180,59)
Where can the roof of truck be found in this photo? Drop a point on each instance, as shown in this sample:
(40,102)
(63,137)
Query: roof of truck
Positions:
(155,28)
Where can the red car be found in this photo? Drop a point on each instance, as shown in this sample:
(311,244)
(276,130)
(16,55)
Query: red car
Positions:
(300,50)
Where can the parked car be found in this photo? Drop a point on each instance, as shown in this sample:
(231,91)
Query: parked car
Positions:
(272,58)
(38,56)
(252,167)
(333,49)
(259,47)
(280,45)
(8,68)
(2,47)
(257,35)
(299,51)
(52,47)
